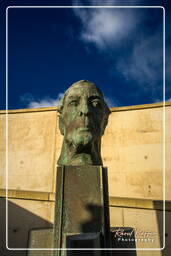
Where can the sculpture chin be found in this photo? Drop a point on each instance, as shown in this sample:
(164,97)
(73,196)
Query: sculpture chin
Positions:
(80,148)
(79,140)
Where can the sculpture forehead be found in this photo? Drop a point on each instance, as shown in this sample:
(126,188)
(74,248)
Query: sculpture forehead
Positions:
(83,89)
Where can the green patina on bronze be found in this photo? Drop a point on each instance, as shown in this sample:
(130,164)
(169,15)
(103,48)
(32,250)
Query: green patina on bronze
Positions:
(83,194)
(82,121)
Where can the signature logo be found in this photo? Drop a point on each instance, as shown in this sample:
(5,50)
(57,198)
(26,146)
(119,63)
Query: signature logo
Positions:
(133,234)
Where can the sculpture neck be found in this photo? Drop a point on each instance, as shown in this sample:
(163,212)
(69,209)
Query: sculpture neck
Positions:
(87,155)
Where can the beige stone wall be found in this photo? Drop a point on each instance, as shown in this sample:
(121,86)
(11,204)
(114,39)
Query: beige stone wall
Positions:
(31,150)
(132,149)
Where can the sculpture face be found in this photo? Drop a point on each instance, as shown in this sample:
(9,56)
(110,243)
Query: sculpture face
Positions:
(83,120)
(83,115)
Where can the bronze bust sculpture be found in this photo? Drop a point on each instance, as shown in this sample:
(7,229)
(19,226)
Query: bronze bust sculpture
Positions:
(82,121)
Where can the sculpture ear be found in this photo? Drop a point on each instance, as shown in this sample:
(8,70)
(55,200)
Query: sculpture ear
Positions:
(61,125)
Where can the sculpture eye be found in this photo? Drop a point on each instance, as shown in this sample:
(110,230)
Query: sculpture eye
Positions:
(96,103)
(74,103)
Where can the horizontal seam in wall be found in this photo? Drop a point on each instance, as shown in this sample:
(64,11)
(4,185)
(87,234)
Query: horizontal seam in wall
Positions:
(113,201)
(139,207)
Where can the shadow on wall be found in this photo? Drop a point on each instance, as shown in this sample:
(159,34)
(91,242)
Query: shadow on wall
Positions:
(159,216)
(20,222)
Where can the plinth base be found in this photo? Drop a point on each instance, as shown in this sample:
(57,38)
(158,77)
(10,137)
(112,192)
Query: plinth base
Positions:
(82,204)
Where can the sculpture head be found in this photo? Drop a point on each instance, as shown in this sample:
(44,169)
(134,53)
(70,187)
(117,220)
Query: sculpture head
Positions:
(82,121)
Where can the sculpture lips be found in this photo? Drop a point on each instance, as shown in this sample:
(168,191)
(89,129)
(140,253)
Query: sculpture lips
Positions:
(84,129)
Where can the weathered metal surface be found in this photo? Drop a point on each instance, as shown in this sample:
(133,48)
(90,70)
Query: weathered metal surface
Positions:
(82,121)
(83,201)
(41,238)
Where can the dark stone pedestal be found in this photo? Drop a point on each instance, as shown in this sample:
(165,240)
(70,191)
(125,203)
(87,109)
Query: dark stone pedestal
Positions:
(82,206)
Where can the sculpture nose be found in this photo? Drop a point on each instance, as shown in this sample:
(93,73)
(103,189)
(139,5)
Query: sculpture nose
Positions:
(84,108)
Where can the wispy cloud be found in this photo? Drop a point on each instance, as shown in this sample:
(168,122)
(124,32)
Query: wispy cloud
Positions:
(111,102)
(144,63)
(112,29)
(106,27)
(106,2)
(31,102)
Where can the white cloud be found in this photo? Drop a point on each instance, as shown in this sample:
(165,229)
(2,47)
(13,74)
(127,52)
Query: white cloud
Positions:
(144,63)
(106,2)
(27,97)
(30,102)
(111,29)
(106,27)
(111,102)
(45,102)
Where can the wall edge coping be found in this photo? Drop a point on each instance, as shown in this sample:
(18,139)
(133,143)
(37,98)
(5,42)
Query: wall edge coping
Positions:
(113,109)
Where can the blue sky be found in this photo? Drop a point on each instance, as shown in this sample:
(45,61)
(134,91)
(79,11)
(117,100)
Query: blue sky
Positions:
(119,49)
